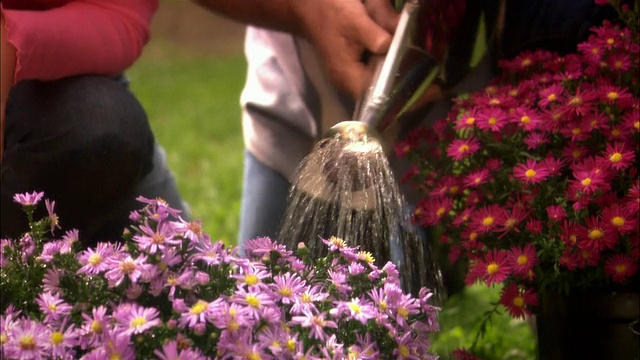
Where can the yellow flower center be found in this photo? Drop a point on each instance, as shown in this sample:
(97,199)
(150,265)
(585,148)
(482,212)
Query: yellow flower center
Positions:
(518,301)
(552,97)
(137,322)
(615,157)
(440,212)
(595,234)
(95,259)
(403,351)
(586,182)
(576,154)
(473,235)
(199,307)
(291,345)
(463,148)
(3,338)
(613,95)
(492,121)
(530,173)
(573,239)
(454,189)
(526,62)
(616,132)
(366,257)
(251,279)
(253,301)
(96,327)
(233,326)
(525,119)
(402,311)
(286,291)
(157,239)
(253,356)
(492,268)
(115,357)
(510,223)
(617,221)
(522,260)
(621,268)
(576,131)
(56,337)
(306,298)
(383,305)
(575,101)
(127,266)
(488,221)
(355,308)
(471,120)
(52,307)
(27,342)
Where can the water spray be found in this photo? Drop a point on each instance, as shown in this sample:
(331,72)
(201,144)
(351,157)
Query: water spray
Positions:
(345,187)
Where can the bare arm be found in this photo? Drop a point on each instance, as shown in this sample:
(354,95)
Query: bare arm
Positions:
(339,30)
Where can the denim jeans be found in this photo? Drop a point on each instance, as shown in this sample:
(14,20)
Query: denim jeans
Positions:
(85,142)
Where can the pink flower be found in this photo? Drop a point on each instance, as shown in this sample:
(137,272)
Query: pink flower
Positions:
(461,148)
(518,301)
(531,172)
(620,267)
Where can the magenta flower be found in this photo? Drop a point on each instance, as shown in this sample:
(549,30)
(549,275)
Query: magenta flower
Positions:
(462,148)
(531,172)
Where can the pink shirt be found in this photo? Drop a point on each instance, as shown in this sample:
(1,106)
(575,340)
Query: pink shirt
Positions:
(60,38)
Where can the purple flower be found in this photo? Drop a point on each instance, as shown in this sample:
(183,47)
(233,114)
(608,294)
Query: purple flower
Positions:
(356,309)
(231,316)
(136,319)
(28,199)
(287,287)
(317,323)
(51,281)
(94,261)
(305,302)
(27,339)
(119,269)
(93,327)
(62,340)
(198,313)
(170,351)
(52,306)
(255,300)
(152,240)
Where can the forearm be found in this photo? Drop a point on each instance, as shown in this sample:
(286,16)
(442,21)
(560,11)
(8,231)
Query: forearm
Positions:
(280,15)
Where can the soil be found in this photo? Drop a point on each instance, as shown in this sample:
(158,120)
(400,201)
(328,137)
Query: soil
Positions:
(190,28)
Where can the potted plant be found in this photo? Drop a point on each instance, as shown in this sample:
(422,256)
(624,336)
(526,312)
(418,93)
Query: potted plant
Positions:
(533,183)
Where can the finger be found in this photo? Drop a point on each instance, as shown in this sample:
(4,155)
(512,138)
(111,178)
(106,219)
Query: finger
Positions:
(371,35)
(383,14)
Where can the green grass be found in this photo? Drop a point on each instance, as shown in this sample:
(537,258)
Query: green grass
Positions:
(193,105)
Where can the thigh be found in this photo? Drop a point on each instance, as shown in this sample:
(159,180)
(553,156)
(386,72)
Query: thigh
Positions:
(264,200)
(85,141)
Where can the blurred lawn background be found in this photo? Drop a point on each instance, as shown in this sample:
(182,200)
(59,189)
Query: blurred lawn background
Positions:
(189,80)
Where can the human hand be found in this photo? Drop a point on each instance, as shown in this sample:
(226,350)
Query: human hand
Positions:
(341,31)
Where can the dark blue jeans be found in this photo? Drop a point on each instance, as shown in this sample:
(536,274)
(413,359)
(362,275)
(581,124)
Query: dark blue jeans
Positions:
(86,142)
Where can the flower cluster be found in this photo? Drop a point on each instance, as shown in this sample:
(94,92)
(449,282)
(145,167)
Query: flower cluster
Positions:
(533,181)
(168,292)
